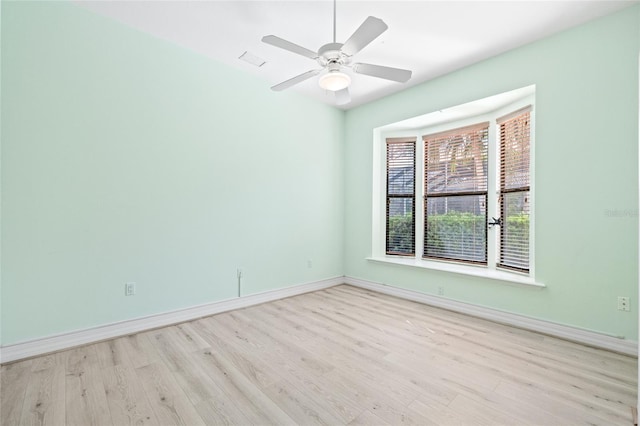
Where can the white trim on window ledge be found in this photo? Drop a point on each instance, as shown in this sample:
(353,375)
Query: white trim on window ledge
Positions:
(474,271)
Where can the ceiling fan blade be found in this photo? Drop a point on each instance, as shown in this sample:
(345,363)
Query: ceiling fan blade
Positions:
(295,80)
(370,29)
(388,73)
(287,45)
(343,97)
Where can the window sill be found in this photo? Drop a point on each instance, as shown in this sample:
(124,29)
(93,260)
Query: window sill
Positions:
(475,271)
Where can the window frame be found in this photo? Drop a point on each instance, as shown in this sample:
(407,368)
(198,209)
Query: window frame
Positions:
(426,139)
(504,191)
(389,196)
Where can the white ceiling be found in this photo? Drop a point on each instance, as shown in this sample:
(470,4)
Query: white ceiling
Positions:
(431,38)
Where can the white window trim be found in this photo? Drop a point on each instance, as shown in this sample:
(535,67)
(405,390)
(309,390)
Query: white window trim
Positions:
(378,253)
(458,268)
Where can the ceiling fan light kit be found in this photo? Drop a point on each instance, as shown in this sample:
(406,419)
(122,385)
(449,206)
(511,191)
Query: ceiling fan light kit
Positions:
(334,56)
(334,81)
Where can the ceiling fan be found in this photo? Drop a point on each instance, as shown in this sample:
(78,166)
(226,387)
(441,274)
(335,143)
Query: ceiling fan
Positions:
(335,56)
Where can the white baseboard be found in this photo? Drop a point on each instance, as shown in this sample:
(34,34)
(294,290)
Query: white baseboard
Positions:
(71,339)
(586,337)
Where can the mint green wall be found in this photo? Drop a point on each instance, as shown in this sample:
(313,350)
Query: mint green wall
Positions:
(586,175)
(127,158)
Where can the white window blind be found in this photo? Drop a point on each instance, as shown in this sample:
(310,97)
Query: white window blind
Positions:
(455,199)
(400,214)
(515,135)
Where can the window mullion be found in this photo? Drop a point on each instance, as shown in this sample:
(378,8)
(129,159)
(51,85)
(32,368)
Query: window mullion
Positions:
(493,192)
(419,200)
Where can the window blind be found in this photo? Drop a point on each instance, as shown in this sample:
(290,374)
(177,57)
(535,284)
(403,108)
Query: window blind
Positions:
(515,135)
(456,194)
(401,175)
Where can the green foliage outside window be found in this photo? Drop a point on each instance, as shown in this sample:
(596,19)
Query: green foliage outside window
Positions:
(456,235)
(400,237)
(465,230)
(463,234)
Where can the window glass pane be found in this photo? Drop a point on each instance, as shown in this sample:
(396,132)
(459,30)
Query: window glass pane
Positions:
(514,247)
(400,226)
(456,228)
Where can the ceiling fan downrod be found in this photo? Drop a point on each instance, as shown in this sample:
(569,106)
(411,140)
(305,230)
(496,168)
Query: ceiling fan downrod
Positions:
(334,21)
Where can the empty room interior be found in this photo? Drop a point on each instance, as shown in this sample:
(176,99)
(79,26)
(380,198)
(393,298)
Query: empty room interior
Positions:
(319,212)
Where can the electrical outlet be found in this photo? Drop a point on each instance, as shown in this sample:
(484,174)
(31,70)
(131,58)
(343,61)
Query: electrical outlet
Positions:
(440,291)
(623,303)
(130,289)
(309,263)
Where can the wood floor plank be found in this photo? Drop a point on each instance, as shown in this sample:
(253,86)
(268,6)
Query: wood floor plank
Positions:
(207,390)
(375,397)
(139,349)
(274,342)
(169,403)
(482,415)
(127,400)
(329,335)
(111,353)
(183,365)
(439,413)
(294,330)
(188,337)
(47,361)
(216,412)
(367,418)
(256,406)
(169,348)
(300,406)
(342,355)
(86,401)
(44,402)
(14,379)
(251,366)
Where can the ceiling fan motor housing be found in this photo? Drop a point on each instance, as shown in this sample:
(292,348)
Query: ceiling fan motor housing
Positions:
(331,54)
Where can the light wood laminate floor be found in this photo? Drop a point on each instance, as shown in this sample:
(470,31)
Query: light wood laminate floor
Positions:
(338,356)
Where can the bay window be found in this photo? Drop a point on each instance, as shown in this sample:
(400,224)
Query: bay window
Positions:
(461,200)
